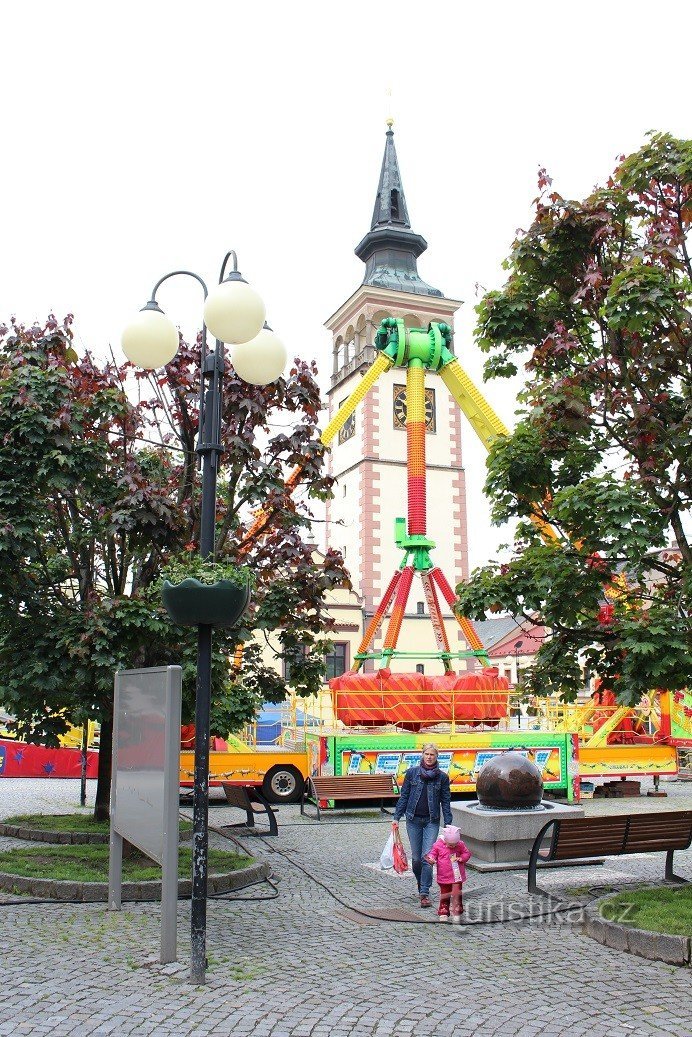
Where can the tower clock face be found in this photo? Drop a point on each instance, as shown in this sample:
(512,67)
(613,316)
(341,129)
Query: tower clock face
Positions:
(399,408)
(348,428)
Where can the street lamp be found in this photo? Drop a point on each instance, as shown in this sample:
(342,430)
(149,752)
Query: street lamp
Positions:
(234,313)
(517,646)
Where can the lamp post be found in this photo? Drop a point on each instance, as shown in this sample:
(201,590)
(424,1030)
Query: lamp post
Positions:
(234,313)
(517,646)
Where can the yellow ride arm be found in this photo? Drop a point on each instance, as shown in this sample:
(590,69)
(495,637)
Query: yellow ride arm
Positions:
(480,414)
(381,364)
(484,421)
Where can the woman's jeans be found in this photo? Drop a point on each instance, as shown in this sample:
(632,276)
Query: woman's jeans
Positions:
(422,834)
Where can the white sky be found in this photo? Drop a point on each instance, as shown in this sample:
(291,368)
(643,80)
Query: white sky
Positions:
(143,137)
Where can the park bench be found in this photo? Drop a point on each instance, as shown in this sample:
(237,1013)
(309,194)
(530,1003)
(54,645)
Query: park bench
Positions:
(613,835)
(250,799)
(343,787)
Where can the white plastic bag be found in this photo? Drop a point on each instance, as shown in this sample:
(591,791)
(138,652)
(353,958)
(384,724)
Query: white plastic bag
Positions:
(387,858)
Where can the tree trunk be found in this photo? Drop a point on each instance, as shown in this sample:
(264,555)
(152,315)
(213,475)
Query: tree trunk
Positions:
(103,784)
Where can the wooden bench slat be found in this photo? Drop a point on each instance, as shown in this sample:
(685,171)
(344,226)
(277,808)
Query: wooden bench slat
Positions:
(592,825)
(642,845)
(331,793)
(676,826)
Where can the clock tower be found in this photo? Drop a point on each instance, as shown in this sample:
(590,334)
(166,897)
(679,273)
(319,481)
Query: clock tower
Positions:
(368,457)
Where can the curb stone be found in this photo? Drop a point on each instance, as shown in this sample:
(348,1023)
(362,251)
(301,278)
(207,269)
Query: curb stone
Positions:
(41,835)
(93,892)
(673,950)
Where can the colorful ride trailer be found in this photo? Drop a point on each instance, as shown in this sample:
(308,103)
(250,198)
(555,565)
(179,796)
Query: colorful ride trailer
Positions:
(460,755)
(565,747)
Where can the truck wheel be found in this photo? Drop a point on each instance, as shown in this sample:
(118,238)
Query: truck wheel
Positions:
(283,784)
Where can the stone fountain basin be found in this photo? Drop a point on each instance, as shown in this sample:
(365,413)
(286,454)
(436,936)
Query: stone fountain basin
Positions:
(501,840)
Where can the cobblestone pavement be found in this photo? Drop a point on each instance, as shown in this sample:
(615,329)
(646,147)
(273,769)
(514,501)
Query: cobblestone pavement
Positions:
(306,964)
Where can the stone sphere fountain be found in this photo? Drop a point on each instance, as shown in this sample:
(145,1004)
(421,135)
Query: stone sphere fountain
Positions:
(500,827)
(510,782)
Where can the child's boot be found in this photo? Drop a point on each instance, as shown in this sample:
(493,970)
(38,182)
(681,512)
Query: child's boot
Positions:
(443,909)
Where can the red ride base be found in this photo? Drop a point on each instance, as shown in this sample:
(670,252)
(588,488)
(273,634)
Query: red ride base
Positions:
(413,700)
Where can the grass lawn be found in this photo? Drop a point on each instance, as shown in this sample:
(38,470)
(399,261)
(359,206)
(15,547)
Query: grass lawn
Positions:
(90,863)
(661,910)
(67,823)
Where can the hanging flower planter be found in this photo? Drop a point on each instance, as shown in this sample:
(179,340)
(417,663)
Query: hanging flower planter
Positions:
(219,604)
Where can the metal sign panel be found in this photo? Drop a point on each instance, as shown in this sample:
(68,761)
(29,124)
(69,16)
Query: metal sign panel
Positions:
(145,785)
(146,722)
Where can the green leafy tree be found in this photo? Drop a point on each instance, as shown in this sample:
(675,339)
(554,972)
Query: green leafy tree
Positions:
(100,489)
(597,308)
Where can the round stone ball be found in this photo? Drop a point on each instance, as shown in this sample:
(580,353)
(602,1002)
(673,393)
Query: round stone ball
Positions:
(509,781)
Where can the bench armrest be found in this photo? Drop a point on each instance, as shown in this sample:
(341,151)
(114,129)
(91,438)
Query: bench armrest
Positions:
(536,854)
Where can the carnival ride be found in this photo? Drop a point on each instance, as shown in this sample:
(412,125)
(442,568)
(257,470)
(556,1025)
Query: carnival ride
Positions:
(378,722)
(415,700)
(612,739)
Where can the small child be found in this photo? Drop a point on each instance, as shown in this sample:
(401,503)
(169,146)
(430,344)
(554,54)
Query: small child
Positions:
(450,855)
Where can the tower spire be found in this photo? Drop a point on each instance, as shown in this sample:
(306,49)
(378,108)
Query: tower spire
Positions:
(390,249)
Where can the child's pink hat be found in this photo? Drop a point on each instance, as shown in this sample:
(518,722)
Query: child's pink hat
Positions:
(451,834)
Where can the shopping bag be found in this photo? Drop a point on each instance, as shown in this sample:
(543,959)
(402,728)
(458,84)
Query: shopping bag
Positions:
(399,854)
(387,858)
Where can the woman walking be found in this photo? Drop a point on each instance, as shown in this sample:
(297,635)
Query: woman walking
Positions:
(424,794)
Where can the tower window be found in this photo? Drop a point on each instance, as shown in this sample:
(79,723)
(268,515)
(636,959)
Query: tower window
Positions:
(394,204)
(420,668)
(420,608)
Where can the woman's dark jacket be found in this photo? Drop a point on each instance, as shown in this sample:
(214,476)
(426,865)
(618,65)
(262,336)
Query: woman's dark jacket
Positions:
(414,787)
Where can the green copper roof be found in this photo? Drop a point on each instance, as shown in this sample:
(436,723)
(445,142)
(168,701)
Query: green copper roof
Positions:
(391,248)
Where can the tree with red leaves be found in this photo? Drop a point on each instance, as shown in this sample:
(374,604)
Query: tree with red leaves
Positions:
(100,490)
(597,307)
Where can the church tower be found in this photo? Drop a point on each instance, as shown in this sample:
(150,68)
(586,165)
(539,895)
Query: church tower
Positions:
(368,458)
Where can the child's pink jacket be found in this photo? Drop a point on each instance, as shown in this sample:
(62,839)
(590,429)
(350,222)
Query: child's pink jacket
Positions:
(442,855)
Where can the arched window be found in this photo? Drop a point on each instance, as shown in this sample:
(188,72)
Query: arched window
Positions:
(360,340)
(378,317)
(349,349)
(394,205)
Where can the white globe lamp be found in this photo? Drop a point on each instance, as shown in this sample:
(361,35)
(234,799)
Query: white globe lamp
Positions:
(151,339)
(233,311)
(261,360)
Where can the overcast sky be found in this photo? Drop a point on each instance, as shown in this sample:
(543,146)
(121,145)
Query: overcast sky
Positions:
(143,137)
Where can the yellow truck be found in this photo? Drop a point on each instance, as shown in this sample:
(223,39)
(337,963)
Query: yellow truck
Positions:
(279,772)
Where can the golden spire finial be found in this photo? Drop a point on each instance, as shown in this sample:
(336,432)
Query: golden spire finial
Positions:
(390,122)
(390,118)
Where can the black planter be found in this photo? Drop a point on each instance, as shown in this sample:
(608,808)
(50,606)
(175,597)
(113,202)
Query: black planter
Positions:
(218,604)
